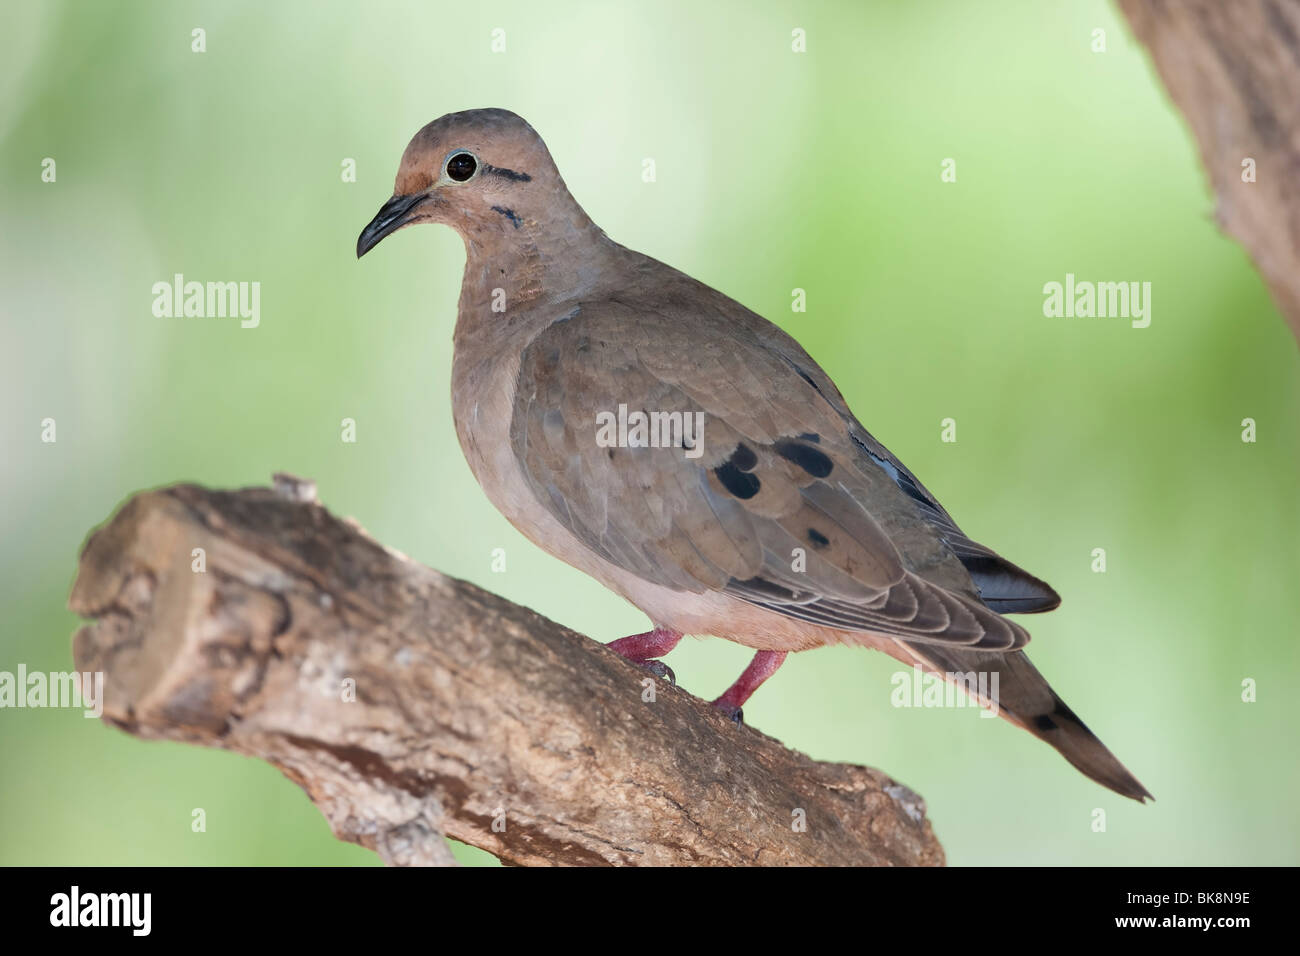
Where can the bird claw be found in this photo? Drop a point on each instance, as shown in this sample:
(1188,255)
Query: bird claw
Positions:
(733,713)
(660,670)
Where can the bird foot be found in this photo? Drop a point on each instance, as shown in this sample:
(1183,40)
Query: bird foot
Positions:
(729,710)
(762,667)
(660,670)
(641,649)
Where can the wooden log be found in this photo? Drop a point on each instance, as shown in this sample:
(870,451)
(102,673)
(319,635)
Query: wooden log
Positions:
(410,705)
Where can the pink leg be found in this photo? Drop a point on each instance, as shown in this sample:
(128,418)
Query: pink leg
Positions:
(762,667)
(640,648)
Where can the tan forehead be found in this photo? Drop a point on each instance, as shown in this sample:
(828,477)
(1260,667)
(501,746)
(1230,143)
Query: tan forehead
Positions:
(503,140)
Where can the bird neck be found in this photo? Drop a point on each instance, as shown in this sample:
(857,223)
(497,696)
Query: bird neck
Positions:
(514,261)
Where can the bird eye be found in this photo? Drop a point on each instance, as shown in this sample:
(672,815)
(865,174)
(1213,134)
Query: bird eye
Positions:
(461,167)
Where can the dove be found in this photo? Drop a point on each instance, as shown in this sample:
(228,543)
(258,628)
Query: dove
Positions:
(692,457)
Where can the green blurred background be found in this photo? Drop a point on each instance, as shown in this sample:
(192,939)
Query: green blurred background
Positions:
(775,170)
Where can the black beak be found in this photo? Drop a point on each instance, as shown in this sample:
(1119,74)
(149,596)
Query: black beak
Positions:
(393,215)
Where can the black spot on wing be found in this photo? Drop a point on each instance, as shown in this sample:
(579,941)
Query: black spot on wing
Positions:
(1043,722)
(510,174)
(806,457)
(818,539)
(744,458)
(740,483)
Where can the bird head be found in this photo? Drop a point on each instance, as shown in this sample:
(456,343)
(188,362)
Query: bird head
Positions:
(478,171)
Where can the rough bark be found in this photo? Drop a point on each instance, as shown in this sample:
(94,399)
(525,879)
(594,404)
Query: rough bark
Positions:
(410,705)
(1233,69)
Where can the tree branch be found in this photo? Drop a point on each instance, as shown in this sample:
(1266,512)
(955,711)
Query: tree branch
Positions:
(410,705)
(1233,69)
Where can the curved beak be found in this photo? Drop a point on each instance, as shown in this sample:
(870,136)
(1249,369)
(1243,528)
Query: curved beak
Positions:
(392,215)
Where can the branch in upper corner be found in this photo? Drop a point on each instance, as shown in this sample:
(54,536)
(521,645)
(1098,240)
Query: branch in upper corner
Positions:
(410,705)
(1233,69)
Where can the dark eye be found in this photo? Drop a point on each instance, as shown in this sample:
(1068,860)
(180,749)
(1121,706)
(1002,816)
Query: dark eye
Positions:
(461,167)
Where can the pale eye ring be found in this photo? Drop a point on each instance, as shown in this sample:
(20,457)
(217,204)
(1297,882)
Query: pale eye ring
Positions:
(461,166)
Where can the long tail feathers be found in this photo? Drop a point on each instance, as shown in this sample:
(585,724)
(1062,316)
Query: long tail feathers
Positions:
(1026,699)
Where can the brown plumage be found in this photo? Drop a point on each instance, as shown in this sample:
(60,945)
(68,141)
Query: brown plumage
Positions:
(783,526)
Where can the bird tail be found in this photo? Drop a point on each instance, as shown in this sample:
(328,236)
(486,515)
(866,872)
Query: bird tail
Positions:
(1026,699)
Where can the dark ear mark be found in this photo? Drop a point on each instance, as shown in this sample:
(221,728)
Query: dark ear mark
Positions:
(509,214)
(510,174)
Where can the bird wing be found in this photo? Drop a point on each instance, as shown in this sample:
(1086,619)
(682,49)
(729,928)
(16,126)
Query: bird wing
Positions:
(780,505)
(1003,586)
